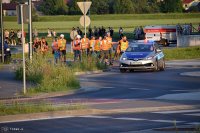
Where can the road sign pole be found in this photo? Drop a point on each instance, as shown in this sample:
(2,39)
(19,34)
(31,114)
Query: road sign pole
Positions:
(2,33)
(23,45)
(30,31)
(85,25)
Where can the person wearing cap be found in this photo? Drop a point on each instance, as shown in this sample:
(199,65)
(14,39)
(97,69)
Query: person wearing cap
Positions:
(77,47)
(62,47)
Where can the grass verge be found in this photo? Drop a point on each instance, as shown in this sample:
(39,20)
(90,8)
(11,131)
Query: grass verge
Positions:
(182,53)
(27,108)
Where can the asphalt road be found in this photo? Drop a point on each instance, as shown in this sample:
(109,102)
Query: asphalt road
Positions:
(127,90)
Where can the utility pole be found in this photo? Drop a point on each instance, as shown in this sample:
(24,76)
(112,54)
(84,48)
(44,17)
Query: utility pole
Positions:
(2,33)
(30,31)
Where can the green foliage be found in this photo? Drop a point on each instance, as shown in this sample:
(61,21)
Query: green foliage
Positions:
(48,77)
(73,7)
(182,53)
(26,108)
(101,7)
(54,7)
(123,6)
(171,6)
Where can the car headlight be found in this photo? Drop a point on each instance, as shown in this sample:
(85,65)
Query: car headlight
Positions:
(123,57)
(149,58)
(8,49)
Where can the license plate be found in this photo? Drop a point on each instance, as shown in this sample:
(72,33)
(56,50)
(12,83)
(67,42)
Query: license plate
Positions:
(135,63)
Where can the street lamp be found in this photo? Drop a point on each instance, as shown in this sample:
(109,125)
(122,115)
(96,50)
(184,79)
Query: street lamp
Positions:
(2,33)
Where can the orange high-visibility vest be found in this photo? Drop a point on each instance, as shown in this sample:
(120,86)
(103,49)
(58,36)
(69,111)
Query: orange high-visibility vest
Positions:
(92,43)
(84,43)
(97,46)
(104,45)
(109,39)
(123,45)
(76,45)
(62,44)
(55,45)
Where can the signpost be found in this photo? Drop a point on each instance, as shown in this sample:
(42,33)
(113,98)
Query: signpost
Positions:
(2,33)
(22,18)
(84,20)
(30,31)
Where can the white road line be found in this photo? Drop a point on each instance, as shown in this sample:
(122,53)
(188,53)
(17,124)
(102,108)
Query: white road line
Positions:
(132,119)
(195,114)
(38,119)
(93,116)
(107,87)
(179,111)
(193,123)
(139,89)
(167,121)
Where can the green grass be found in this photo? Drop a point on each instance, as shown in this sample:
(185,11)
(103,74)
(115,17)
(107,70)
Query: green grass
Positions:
(27,108)
(64,24)
(113,17)
(182,53)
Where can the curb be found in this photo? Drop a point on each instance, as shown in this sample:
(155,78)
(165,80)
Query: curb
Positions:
(91,72)
(76,113)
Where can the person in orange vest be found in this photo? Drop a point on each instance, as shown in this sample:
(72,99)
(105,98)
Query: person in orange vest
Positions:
(92,44)
(77,47)
(85,45)
(123,45)
(62,47)
(44,46)
(117,52)
(104,49)
(97,47)
(55,50)
(110,45)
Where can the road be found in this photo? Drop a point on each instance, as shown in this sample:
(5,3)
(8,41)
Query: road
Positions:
(116,91)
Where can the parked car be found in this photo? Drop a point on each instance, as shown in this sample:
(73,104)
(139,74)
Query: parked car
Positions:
(143,55)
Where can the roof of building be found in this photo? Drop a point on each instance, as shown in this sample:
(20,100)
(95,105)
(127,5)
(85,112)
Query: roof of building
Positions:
(9,6)
(187,1)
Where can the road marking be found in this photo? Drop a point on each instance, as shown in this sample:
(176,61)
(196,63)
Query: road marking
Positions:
(107,87)
(38,119)
(179,111)
(195,114)
(193,123)
(139,89)
(167,121)
(132,119)
(95,116)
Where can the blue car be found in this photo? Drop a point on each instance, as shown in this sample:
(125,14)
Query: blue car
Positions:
(142,56)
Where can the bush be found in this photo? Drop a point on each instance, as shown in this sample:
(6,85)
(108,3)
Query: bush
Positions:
(48,77)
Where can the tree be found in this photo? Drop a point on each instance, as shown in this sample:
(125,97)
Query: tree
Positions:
(73,7)
(171,6)
(100,7)
(123,7)
(54,7)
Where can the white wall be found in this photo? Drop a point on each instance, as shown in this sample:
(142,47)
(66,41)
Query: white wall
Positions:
(188,40)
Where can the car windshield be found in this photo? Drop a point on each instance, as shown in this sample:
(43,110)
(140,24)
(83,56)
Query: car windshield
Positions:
(140,48)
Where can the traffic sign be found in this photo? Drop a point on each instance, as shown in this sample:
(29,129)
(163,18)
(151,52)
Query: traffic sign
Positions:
(25,13)
(84,6)
(85,21)
(73,34)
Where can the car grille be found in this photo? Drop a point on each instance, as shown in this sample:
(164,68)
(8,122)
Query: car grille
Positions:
(139,65)
(135,59)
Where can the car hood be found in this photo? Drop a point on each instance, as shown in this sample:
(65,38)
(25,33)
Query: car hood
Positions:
(137,55)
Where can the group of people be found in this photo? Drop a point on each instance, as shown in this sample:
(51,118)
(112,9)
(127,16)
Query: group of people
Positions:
(100,47)
(97,32)
(13,37)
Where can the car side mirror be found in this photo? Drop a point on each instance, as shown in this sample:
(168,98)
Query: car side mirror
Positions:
(158,51)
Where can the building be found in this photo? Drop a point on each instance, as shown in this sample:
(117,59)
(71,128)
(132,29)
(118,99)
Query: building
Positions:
(190,3)
(9,9)
(5,1)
